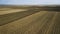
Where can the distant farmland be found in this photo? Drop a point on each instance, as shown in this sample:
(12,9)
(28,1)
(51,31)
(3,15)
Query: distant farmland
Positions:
(46,8)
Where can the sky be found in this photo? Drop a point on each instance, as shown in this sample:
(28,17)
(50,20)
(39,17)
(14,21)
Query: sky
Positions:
(30,2)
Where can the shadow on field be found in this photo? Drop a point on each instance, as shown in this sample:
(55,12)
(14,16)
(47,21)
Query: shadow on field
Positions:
(7,18)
